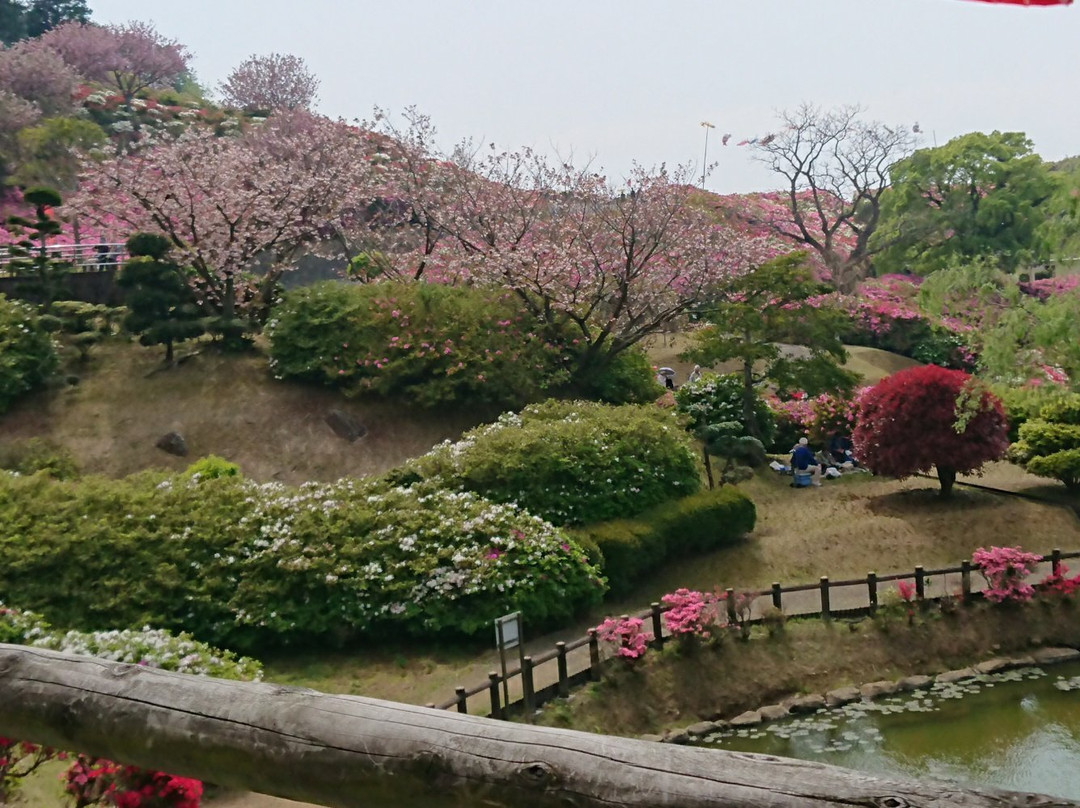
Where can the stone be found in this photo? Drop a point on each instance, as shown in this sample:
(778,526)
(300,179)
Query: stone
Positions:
(677,737)
(747,719)
(1022,661)
(345,425)
(773,712)
(1051,656)
(654,738)
(807,704)
(873,690)
(842,696)
(949,677)
(701,729)
(914,683)
(995,665)
(173,443)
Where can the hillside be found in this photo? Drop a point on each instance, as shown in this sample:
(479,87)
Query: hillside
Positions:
(224,405)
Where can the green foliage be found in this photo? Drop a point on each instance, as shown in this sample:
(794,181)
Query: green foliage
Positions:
(82,325)
(1023,404)
(977,195)
(27,353)
(39,455)
(569,462)
(1049,446)
(51,153)
(162,308)
(627,378)
(716,400)
(429,343)
(246,565)
(212,467)
(632,549)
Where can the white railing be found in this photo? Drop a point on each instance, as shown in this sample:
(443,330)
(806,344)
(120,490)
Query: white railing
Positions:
(87,257)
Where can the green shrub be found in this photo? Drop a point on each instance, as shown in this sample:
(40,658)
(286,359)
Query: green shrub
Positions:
(1049,446)
(628,379)
(569,462)
(429,343)
(212,467)
(713,400)
(631,549)
(27,353)
(251,566)
(39,455)
(1023,404)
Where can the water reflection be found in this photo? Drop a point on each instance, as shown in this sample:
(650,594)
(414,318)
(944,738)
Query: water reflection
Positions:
(1018,730)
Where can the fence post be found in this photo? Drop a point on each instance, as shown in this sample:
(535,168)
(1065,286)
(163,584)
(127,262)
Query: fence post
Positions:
(493,691)
(965,580)
(777,595)
(527,685)
(920,583)
(564,680)
(1055,561)
(657,626)
(871,588)
(729,596)
(594,656)
(462,705)
(825,598)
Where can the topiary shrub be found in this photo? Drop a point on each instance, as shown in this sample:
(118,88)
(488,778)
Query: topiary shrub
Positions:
(431,344)
(1023,404)
(632,549)
(628,378)
(260,566)
(27,353)
(569,462)
(212,467)
(1049,446)
(715,399)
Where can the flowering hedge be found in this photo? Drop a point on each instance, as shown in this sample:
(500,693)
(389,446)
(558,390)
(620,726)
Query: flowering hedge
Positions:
(570,462)
(715,399)
(247,565)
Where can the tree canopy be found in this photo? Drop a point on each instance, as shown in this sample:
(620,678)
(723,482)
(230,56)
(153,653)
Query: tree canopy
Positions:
(979,194)
(271,82)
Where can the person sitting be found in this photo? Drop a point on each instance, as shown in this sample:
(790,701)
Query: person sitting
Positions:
(803,462)
(840,448)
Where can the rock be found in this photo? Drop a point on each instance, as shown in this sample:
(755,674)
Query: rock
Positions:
(995,665)
(345,425)
(677,737)
(807,704)
(654,738)
(747,719)
(841,696)
(961,675)
(701,729)
(875,690)
(173,443)
(914,683)
(1021,661)
(1051,656)
(773,712)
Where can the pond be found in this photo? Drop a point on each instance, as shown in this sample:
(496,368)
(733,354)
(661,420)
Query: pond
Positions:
(1018,730)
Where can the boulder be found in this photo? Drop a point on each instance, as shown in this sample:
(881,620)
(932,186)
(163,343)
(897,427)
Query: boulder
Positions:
(654,738)
(1051,656)
(345,425)
(173,443)
(874,690)
(701,729)
(807,704)
(773,712)
(995,665)
(914,683)
(842,696)
(747,719)
(680,737)
(949,677)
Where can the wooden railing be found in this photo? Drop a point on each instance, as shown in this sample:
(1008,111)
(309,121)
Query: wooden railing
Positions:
(582,659)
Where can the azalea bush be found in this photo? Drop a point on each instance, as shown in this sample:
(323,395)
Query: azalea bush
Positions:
(27,352)
(691,613)
(626,635)
(428,343)
(569,462)
(246,565)
(1006,570)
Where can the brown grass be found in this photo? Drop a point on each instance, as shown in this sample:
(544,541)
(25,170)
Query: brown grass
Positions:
(224,405)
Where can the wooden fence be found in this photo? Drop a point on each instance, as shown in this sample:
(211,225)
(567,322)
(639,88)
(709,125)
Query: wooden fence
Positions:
(570,664)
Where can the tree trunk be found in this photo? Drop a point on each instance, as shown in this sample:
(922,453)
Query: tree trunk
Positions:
(946,476)
(708,467)
(749,399)
(348,751)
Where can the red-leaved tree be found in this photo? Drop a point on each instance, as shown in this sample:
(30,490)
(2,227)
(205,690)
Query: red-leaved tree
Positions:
(929,417)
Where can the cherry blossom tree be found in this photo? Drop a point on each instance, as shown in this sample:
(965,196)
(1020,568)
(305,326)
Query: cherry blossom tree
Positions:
(271,82)
(38,74)
(609,262)
(130,57)
(229,203)
(835,168)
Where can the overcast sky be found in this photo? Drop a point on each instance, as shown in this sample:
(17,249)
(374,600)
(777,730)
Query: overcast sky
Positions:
(625,80)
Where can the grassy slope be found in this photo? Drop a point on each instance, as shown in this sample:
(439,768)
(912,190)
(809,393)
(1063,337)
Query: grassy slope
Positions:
(224,405)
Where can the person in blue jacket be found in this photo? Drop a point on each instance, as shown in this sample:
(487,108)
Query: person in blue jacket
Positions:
(802,460)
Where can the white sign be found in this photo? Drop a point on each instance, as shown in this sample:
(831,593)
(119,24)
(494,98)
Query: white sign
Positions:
(508,631)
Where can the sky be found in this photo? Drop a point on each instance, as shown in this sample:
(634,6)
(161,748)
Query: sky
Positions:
(619,81)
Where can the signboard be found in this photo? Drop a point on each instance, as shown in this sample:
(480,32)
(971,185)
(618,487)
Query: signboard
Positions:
(507,636)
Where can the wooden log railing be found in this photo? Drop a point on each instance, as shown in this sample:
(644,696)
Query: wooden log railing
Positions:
(348,751)
(571,670)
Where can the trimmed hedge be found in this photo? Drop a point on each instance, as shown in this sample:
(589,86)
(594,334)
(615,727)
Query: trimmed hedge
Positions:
(251,566)
(630,549)
(27,353)
(569,462)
